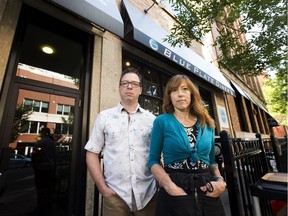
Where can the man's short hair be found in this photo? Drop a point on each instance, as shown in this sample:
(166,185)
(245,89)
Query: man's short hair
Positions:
(131,70)
(45,131)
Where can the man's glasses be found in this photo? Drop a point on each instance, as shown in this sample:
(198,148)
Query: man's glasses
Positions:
(133,84)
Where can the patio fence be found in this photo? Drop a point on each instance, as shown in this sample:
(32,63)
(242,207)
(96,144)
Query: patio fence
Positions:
(245,162)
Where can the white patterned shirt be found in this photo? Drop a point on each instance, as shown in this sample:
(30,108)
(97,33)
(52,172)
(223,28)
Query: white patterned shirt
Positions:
(125,140)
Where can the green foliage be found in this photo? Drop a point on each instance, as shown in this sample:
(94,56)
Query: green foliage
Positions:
(20,121)
(68,122)
(267,48)
(276,95)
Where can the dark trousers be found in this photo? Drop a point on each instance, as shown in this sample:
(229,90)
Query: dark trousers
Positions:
(196,203)
(44,182)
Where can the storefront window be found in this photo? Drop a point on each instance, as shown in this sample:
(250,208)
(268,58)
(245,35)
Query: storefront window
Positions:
(153,82)
(44,55)
(207,99)
(151,88)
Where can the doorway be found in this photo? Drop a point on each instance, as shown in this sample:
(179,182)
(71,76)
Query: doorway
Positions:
(47,77)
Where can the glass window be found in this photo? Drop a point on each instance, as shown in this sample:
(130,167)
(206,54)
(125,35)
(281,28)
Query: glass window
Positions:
(28,102)
(64,109)
(44,107)
(34,127)
(36,63)
(165,80)
(151,82)
(59,109)
(153,105)
(207,99)
(36,106)
(152,87)
(240,111)
(63,129)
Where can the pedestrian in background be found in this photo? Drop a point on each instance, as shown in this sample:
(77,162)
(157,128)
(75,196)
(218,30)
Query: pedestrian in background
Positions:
(43,161)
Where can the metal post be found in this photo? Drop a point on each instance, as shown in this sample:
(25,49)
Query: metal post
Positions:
(230,173)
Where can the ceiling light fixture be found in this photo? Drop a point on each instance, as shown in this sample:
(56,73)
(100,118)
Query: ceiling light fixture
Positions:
(47,49)
(161,4)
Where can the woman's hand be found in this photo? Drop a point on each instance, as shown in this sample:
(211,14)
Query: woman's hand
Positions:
(218,188)
(173,190)
(170,187)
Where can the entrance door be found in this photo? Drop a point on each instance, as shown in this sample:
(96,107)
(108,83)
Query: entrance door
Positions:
(32,184)
(46,85)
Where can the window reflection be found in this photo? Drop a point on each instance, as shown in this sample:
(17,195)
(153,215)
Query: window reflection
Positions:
(152,105)
(35,111)
(152,84)
(34,73)
(63,109)
(151,89)
(63,67)
(36,105)
(207,100)
(34,127)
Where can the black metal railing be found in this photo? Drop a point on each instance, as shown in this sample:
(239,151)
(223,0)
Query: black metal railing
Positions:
(279,148)
(245,163)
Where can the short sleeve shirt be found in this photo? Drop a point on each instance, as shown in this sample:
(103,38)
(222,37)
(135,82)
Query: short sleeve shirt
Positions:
(125,140)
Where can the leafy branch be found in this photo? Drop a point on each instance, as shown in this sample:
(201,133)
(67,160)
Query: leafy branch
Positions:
(266,50)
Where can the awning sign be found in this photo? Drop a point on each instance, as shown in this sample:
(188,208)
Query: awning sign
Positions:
(151,35)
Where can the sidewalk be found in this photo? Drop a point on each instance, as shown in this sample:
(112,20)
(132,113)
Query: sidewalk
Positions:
(225,201)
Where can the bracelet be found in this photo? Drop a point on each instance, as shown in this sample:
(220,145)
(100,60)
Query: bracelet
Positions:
(218,177)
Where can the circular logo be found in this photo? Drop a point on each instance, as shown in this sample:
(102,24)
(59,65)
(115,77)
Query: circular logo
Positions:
(153,44)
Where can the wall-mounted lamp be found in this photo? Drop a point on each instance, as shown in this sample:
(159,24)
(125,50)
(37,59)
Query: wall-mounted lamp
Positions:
(161,4)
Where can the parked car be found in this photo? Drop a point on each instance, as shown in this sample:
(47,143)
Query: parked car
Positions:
(19,161)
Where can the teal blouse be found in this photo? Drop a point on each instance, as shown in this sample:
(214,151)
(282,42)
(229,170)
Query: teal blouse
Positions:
(170,138)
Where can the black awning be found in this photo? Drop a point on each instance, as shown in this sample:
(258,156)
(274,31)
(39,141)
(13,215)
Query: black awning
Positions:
(102,13)
(248,96)
(271,121)
(151,35)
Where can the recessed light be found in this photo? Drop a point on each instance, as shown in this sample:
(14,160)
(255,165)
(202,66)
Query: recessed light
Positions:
(47,49)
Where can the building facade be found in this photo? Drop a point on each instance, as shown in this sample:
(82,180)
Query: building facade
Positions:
(91,42)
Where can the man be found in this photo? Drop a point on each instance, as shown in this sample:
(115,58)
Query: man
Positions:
(43,159)
(123,132)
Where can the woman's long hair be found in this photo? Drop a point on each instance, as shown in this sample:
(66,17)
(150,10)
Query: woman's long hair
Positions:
(197,107)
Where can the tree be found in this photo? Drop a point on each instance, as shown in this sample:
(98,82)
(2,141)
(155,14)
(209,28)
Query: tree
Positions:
(275,91)
(20,121)
(68,122)
(267,48)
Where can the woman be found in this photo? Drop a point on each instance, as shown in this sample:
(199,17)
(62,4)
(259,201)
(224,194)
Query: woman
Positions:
(190,182)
